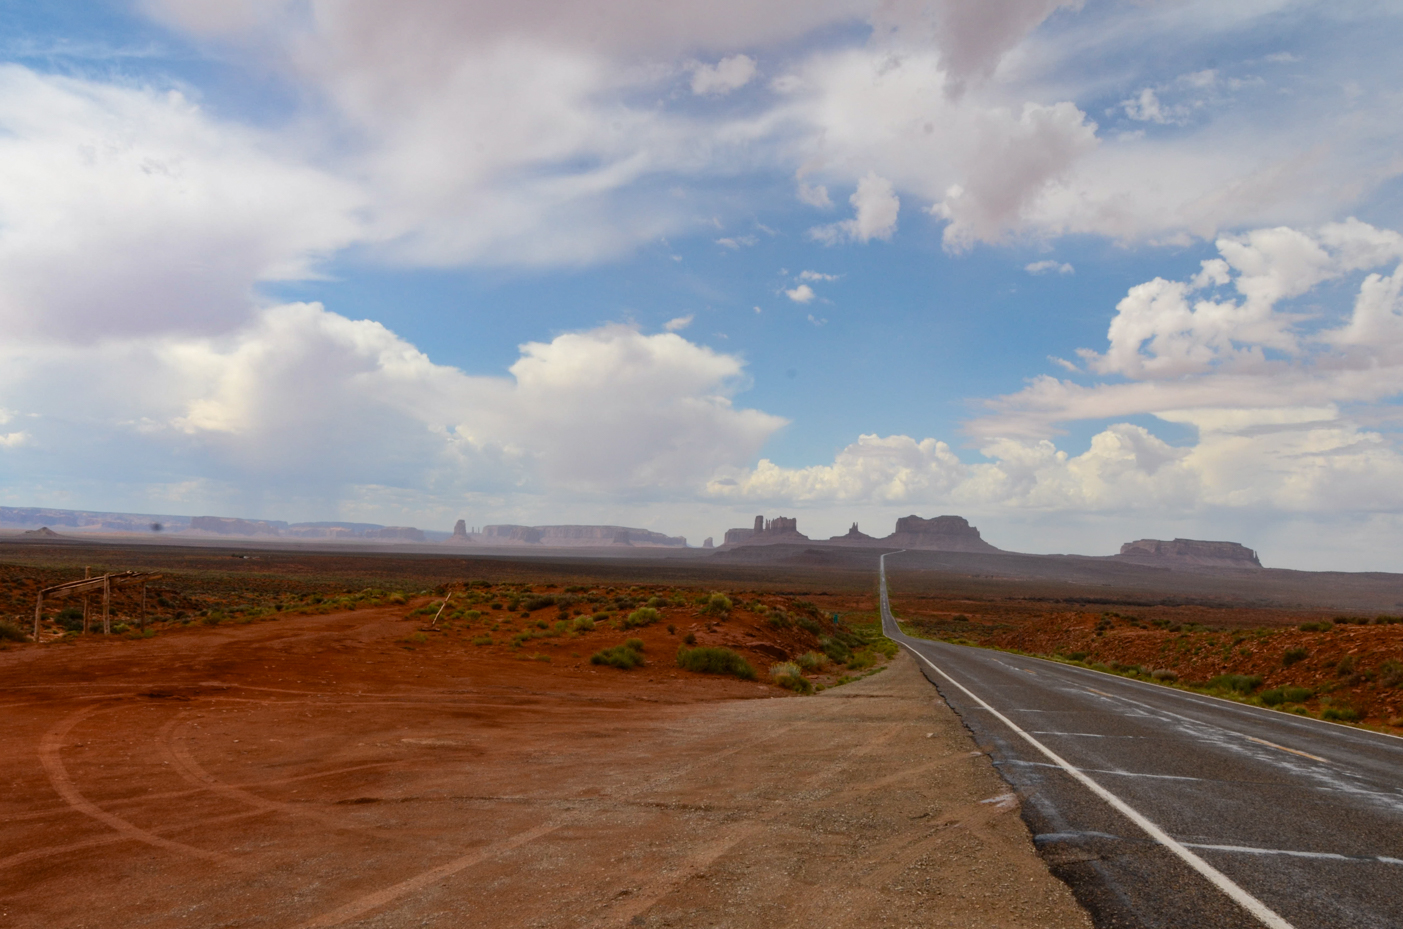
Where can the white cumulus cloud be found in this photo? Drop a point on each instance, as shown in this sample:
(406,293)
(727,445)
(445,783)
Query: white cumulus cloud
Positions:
(726,75)
(876,205)
(1047,266)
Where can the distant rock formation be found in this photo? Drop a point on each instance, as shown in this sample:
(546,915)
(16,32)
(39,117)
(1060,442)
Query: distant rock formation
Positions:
(853,535)
(460,534)
(767,531)
(1190,552)
(43,532)
(511,534)
(708,543)
(396,534)
(737,536)
(224,525)
(578,536)
(943,533)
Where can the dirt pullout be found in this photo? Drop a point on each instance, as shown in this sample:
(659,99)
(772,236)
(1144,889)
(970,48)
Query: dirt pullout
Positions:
(169,783)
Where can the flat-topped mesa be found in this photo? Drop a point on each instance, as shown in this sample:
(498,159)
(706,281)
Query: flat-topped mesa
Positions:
(767,531)
(578,536)
(943,533)
(224,525)
(1190,552)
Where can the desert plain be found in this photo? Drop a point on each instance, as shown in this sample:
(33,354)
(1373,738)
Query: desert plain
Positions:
(309,738)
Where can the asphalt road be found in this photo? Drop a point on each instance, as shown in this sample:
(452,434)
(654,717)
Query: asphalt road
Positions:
(1168,809)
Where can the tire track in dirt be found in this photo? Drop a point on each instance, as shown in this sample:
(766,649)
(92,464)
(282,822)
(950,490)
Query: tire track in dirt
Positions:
(183,793)
(54,850)
(51,757)
(643,899)
(381,898)
(190,770)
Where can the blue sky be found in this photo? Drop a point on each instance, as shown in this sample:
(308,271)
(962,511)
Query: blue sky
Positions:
(1080,272)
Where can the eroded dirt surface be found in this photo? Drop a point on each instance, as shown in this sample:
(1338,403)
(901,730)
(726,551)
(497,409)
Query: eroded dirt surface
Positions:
(318,772)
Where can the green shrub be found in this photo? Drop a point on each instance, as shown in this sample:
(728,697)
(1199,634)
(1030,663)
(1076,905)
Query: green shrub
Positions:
(861,660)
(538,603)
(1274,697)
(623,657)
(787,675)
(583,624)
(779,620)
(690,638)
(644,616)
(1344,714)
(635,644)
(713,660)
(808,624)
(717,605)
(812,661)
(1297,694)
(1238,683)
(1316,627)
(1293,655)
(483,640)
(835,649)
(496,606)
(1163,674)
(1076,656)
(9,632)
(1391,673)
(657,602)
(600,617)
(1346,665)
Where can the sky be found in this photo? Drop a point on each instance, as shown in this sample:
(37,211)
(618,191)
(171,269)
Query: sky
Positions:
(1080,272)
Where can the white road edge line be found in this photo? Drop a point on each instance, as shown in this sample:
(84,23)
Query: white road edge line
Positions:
(1265,914)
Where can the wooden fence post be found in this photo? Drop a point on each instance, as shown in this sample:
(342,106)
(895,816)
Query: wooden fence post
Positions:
(87,573)
(38,610)
(143,606)
(106,604)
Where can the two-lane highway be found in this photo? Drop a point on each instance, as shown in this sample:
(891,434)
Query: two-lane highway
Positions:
(1169,809)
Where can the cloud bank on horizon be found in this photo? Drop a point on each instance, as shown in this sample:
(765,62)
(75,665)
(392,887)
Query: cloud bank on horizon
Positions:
(1237,166)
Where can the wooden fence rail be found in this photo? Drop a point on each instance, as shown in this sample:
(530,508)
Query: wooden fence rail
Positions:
(88,585)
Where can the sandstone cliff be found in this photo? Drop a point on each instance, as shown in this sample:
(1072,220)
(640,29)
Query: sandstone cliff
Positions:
(1190,552)
(767,532)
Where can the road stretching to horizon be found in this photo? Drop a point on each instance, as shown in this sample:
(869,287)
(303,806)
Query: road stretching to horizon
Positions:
(1163,808)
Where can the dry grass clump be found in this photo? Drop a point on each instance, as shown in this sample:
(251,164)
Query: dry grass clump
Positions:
(708,659)
(787,675)
(625,657)
(643,616)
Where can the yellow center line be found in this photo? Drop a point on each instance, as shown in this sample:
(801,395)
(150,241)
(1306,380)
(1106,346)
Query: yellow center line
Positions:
(1285,749)
(1101,692)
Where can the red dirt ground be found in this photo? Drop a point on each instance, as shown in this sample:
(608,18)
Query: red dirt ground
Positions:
(326,770)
